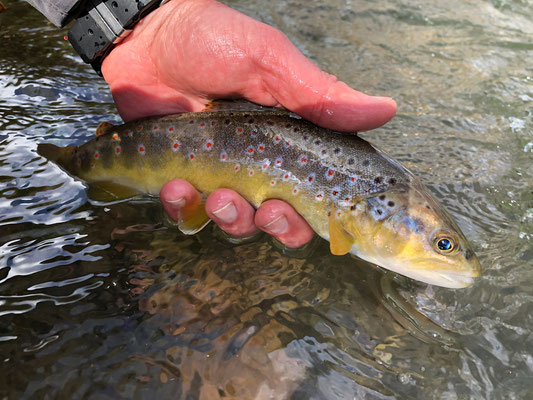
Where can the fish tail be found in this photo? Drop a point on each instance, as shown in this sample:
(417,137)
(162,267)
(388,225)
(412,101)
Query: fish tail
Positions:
(56,154)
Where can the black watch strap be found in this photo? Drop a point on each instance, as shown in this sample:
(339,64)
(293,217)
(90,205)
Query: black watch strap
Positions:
(104,23)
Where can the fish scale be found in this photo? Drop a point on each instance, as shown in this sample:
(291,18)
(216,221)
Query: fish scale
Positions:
(356,171)
(350,192)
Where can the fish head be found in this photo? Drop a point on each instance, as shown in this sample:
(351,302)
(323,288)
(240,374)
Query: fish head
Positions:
(404,229)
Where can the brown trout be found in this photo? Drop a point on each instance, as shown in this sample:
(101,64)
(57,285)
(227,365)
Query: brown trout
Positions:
(349,191)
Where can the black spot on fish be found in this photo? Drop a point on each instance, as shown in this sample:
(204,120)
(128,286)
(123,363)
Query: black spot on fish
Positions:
(317,142)
(366,163)
(468,254)
(378,180)
(390,203)
(382,197)
(288,126)
(305,137)
(251,121)
(337,150)
(227,122)
(392,181)
(324,152)
(270,122)
(352,207)
(295,130)
(351,161)
(246,115)
(428,207)
(379,211)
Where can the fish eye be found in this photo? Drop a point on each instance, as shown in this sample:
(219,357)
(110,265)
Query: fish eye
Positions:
(445,244)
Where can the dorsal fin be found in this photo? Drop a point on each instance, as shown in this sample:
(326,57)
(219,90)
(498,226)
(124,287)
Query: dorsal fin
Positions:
(237,105)
(103,128)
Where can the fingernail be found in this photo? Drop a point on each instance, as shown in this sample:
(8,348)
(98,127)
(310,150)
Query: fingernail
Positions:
(278,226)
(227,214)
(179,203)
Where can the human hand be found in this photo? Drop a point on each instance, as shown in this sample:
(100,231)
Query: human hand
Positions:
(189,52)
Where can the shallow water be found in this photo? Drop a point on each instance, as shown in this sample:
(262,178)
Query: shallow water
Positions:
(113,302)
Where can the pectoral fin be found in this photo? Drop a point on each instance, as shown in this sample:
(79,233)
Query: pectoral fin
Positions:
(340,240)
(192,218)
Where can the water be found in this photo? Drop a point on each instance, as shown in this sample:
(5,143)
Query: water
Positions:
(112,302)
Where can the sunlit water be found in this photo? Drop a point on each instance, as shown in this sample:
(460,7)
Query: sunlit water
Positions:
(112,302)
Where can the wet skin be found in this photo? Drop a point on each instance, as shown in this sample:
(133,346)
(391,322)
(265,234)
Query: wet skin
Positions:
(187,53)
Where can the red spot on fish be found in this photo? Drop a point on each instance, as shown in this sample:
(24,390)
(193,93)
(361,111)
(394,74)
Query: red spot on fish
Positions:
(141,149)
(171,129)
(352,178)
(126,133)
(288,143)
(329,213)
(115,137)
(254,132)
(192,156)
(261,148)
(330,172)
(311,178)
(117,150)
(277,139)
(139,128)
(338,213)
(347,199)
(213,123)
(334,193)
(295,191)
(96,155)
(191,122)
(251,172)
(208,145)
(238,131)
(272,183)
(202,124)
(155,128)
(65,37)
(92,165)
(237,167)
(250,150)
(79,162)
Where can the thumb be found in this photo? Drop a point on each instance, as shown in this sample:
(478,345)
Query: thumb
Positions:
(300,86)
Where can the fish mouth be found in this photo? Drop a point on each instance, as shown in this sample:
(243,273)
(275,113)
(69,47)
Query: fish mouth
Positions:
(447,279)
(438,277)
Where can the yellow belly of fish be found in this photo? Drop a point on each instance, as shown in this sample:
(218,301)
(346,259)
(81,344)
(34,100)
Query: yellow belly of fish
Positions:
(207,175)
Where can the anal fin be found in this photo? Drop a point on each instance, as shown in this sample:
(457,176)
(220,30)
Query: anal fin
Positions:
(108,191)
(340,240)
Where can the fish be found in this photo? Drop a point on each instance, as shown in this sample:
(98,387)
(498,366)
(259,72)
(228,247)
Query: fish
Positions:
(349,191)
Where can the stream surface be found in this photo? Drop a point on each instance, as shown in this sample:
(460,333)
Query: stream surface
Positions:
(110,302)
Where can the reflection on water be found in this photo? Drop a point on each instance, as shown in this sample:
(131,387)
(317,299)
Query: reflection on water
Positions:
(110,302)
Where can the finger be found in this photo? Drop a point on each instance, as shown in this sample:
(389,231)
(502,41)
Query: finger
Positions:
(299,85)
(231,212)
(281,221)
(177,193)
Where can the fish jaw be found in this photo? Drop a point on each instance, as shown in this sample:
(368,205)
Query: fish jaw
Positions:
(432,272)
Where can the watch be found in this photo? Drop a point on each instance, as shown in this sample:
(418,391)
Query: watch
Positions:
(102,24)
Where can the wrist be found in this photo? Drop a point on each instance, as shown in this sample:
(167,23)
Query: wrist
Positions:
(131,69)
